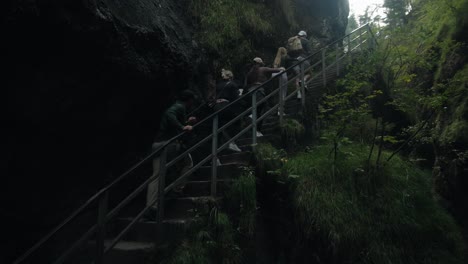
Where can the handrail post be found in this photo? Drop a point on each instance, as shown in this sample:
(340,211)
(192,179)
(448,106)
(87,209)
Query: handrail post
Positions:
(349,49)
(303,101)
(254,118)
(324,66)
(360,39)
(214,160)
(370,37)
(101,227)
(162,186)
(337,59)
(282,95)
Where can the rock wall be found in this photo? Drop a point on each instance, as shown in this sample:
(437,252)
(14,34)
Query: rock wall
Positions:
(86,81)
(326,20)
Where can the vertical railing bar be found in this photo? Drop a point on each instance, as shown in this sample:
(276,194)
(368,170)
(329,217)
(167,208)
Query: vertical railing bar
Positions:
(324,66)
(214,159)
(370,36)
(281,99)
(101,227)
(349,49)
(303,101)
(336,60)
(162,186)
(254,118)
(360,39)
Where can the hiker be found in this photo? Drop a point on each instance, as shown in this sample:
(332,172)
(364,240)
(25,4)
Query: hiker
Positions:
(227,91)
(304,43)
(299,48)
(282,60)
(257,75)
(172,123)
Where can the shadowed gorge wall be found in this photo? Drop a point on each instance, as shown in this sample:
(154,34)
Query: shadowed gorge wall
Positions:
(85,84)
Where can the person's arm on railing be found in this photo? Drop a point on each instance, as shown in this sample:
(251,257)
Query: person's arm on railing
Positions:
(177,113)
(268,71)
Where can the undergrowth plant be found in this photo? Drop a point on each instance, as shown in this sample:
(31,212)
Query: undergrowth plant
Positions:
(211,240)
(268,158)
(292,132)
(243,197)
(389,218)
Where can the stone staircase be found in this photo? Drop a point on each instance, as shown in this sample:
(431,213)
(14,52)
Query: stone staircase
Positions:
(181,210)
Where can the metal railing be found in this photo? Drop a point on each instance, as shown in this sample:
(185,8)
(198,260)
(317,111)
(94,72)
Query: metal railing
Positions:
(333,56)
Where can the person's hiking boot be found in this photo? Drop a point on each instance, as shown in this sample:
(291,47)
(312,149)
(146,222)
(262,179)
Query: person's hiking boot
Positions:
(234,147)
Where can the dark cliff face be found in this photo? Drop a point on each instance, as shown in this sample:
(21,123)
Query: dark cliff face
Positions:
(326,20)
(86,82)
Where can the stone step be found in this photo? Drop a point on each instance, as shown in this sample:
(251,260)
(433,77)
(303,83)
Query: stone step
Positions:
(274,121)
(270,130)
(271,119)
(188,207)
(147,230)
(203,188)
(293,102)
(126,252)
(225,171)
(293,108)
(242,158)
(264,139)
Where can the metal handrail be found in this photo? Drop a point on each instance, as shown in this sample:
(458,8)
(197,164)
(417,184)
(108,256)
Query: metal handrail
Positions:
(104,191)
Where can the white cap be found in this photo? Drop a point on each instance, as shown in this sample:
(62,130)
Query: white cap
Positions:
(258,60)
(302,33)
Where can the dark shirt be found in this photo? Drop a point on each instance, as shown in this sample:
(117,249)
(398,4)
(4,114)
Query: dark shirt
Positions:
(228,90)
(172,122)
(305,47)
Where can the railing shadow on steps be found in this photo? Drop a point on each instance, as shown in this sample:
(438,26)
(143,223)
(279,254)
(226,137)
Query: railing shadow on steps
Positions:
(334,57)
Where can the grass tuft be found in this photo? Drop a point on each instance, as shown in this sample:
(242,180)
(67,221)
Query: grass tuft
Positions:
(372,215)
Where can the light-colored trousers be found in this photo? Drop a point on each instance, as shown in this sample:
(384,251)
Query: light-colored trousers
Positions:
(153,187)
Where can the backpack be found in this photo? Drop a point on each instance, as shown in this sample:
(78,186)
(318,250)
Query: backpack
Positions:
(294,44)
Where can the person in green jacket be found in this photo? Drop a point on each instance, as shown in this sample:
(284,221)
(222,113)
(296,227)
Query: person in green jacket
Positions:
(173,123)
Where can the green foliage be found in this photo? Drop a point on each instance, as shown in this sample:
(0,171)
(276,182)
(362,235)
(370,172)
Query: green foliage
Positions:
(268,157)
(375,215)
(292,131)
(190,253)
(227,26)
(212,240)
(396,11)
(352,23)
(453,118)
(347,111)
(417,69)
(243,196)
